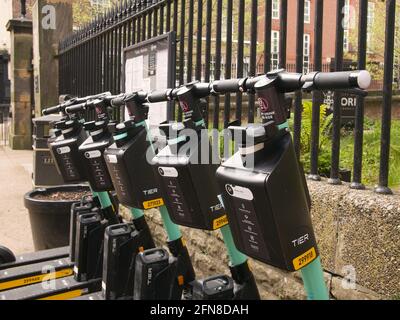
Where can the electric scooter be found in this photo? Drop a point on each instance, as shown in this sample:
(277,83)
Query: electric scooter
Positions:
(89,235)
(248,232)
(122,241)
(263,185)
(191,193)
(137,189)
(28,269)
(157,274)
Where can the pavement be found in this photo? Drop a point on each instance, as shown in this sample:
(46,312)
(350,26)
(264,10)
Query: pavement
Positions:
(15,181)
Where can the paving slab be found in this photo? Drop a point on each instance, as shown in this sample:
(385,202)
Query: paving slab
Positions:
(15,181)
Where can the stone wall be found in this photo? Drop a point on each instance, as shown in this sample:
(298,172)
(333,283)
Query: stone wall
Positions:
(356,231)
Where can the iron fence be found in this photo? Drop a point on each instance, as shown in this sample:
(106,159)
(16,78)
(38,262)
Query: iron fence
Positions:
(214,45)
(4,124)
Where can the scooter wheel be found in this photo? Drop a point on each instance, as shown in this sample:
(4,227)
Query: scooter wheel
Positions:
(6,255)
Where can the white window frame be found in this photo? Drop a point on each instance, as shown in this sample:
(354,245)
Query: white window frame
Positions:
(371,14)
(275,35)
(99,2)
(307,11)
(276,9)
(306,53)
(346,20)
(346,44)
(370,25)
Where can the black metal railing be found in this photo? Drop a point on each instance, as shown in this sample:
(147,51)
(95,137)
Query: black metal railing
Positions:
(4,81)
(221,39)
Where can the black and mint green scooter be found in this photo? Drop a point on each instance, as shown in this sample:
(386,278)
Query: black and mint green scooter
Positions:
(263,185)
(191,192)
(135,187)
(29,284)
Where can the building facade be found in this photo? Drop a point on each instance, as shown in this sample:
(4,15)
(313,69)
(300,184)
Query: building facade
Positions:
(329,30)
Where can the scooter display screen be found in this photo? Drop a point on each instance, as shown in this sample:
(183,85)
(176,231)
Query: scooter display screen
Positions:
(67,159)
(176,198)
(94,163)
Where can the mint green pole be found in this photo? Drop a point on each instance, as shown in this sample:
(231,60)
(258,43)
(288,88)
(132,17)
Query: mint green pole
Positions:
(235,256)
(171,228)
(104,199)
(312,274)
(136,213)
(313,279)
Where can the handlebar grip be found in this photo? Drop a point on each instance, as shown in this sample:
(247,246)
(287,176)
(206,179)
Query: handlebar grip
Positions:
(110,98)
(158,96)
(118,101)
(96,96)
(75,108)
(51,110)
(342,80)
(226,86)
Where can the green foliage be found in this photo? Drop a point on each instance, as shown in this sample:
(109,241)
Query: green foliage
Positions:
(84,12)
(371,153)
(325,121)
(371,149)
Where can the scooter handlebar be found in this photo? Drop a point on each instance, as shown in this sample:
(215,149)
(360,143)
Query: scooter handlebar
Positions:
(226,86)
(52,110)
(76,108)
(159,96)
(96,96)
(342,80)
(289,82)
(118,101)
(71,102)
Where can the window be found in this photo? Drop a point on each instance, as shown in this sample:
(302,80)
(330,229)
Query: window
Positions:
(246,66)
(275,9)
(346,40)
(371,18)
(212,68)
(306,54)
(99,2)
(307,11)
(371,14)
(346,11)
(275,50)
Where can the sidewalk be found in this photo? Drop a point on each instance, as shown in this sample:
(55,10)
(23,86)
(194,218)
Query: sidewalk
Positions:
(15,181)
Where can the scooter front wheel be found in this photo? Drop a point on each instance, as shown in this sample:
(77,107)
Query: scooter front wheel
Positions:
(6,255)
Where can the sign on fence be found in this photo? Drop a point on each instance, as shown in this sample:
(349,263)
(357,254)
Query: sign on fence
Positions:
(149,66)
(348,104)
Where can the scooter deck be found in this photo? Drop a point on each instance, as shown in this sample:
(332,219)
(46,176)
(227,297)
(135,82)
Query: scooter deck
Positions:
(96,296)
(36,257)
(34,273)
(58,289)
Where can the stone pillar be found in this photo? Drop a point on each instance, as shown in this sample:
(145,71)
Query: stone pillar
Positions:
(21,83)
(52,21)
